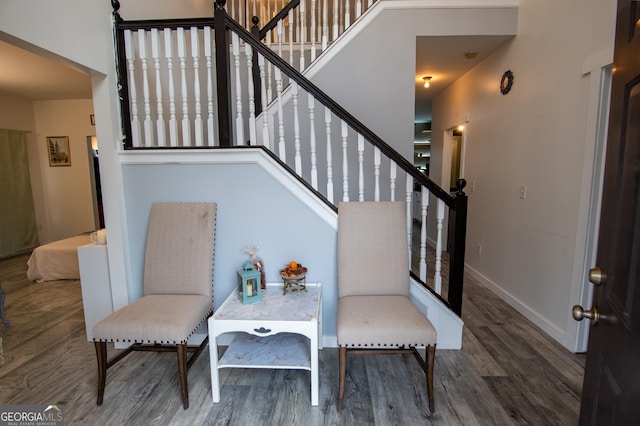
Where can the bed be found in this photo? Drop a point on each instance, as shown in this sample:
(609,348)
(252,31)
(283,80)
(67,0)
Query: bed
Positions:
(57,260)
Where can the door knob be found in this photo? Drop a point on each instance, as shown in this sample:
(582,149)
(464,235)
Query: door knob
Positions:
(597,276)
(579,314)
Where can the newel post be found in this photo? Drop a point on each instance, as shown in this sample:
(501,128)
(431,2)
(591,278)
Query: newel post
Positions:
(458,216)
(121,75)
(257,88)
(225,131)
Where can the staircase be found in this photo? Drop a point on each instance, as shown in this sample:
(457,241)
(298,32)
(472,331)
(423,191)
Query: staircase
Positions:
(181,92)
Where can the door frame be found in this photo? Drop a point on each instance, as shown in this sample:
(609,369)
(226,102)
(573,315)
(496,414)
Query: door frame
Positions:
(447,154)
(598,69)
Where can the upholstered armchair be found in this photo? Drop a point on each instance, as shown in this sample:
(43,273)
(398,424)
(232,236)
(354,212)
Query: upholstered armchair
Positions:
(375,314)
(178,291)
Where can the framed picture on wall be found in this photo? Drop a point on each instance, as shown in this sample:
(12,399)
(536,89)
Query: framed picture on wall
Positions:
(59,151)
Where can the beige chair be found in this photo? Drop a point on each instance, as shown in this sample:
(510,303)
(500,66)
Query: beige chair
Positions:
(375,314)
(178,291)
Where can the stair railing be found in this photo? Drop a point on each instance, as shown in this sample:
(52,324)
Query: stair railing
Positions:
(204,96)
(299,30)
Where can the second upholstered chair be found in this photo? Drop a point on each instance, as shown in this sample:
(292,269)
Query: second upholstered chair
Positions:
(375,314)
(178,290)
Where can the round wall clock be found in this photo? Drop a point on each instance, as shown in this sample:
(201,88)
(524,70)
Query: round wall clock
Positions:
(506,82)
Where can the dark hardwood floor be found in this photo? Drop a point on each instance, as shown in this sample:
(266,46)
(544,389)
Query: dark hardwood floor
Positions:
(508,372)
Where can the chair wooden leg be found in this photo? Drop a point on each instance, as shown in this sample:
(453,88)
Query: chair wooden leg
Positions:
(182,371)
(343,374)
(431,354)
(101,355)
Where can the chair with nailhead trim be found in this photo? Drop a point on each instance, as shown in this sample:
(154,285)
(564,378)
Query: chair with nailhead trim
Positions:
(375,314)
(178,291)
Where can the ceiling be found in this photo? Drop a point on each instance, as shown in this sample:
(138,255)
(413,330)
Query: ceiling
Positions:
(34,77)
(443,58)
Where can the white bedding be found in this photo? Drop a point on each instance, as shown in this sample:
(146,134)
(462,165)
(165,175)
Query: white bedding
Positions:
(57,260)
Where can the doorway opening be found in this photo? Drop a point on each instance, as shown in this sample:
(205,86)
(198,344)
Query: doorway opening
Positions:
(96,189)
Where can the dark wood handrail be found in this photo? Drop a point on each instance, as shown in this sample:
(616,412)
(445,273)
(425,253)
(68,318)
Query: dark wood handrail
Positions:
(279,16)
(339,111)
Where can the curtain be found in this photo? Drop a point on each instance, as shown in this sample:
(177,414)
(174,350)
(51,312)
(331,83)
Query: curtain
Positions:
(18,231)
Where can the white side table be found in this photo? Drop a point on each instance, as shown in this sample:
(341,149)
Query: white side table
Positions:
(281,332)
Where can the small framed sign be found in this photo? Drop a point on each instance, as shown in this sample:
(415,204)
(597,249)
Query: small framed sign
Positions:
(59,151)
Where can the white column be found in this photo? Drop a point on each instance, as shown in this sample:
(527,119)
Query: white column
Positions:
(186,125)
(160,130)
(133,97)
(437,279)
(195,55)
(327,126)
(173,122)
(345,163)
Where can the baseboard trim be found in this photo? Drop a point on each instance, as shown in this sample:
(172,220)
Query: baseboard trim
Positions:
(518,305)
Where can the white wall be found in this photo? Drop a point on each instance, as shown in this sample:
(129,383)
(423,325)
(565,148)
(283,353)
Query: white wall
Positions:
(61,195)
(252,209)
(66,191)
(373,76)
(534,136)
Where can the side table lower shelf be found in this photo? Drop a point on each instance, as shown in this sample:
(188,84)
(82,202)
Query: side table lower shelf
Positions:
(280,332)
(283,350)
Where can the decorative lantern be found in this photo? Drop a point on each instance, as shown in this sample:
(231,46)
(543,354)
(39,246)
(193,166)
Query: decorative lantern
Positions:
(249,284)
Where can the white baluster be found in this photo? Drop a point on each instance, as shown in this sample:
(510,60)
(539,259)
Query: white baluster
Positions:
(291,25)
(135,122)
(327,125)
(296,129)
(281,146)
(303,30)
(265,114)
(314,26)
(360,167)
(269,78)
(207,54)
(148,124)
(358,8)
(173,122)
(235,44)
(162,140)
(376,172)
(233,10)
(408,200)
(279,31)
(186,125)
(347,14)
(345,163)
(336,19)
(195,55)
(312,141)
(392,179)
(437,279)
(325,25)
(252,100)
(423,234)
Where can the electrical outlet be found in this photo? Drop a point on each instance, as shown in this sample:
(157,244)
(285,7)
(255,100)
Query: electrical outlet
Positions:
(473,186)
(479,247)
(523,191)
